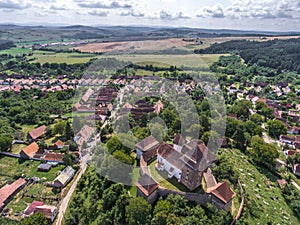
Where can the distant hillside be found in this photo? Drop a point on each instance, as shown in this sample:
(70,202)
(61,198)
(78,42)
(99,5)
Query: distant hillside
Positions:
(6,44)
(17,33)
(277,54)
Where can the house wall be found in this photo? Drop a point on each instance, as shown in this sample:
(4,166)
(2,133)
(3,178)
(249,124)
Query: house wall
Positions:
(151,198)
(167,166)
(23,155)
(219,204)
(56,183)
(190,178)
(139,153)
(178,148)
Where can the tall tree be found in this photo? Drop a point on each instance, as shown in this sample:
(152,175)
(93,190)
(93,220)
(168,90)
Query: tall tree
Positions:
(138,212)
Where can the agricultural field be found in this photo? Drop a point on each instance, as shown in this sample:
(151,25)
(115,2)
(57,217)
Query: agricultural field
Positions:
(191,60)
(52,57)
(16,51)
(153,45)
(164,44)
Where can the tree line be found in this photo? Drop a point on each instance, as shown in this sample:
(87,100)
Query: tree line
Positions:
(276,54)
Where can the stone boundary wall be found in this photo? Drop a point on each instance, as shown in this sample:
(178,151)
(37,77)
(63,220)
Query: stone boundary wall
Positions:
(201,199)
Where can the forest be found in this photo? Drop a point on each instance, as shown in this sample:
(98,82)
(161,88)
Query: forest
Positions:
(4,44)
(99,201)
(277,54)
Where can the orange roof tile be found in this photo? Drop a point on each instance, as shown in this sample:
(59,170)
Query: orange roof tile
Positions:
(36,133)
(222,191)
(9,189)
(31,149)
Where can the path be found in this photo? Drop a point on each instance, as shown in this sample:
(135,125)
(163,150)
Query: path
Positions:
(296,185)
(65,201)
(241,206)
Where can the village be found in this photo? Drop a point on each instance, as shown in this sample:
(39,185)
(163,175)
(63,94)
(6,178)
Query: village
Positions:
(26,195)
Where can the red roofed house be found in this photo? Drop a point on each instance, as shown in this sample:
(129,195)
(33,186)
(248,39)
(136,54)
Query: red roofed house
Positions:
(53,157)
(147,188)
(59,144)
(30,209)
(9,191)
(29,151)
(49,211)
(221,195)
(37,133)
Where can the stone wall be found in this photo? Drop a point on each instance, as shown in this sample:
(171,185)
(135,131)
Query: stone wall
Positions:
(201,199)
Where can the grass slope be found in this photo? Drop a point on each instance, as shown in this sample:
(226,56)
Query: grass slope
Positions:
(264,200)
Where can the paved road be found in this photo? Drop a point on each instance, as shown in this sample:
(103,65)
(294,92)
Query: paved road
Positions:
(65,202)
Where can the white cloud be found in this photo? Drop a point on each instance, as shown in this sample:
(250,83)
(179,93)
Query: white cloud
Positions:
(235,14)
(166,15)
(55,7)
(98,13)
(101,5)
(267,9)
(215,12)
(13,4)
(132,13)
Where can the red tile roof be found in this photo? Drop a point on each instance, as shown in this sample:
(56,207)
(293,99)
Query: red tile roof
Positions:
(222,191)
(59,143)
(50,156)
(31,149)
(30,209)
(10,189)
(36,133)
(147,185)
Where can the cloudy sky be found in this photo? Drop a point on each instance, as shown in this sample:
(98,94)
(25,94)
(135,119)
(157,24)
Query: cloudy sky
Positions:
(272,15)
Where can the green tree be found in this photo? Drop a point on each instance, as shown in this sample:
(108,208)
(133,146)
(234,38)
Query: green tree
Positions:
(242,108)
(239,138)
(256,118)
(69,159)
(35,219)
(5,143)
(42,145)
(138,212)
(158,131)
(122,157)
(113,144)
(59,128)
(276,128)
(262,152)
(68,132)
(161,212)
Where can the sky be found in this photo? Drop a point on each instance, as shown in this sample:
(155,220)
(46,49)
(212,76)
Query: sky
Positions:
(268,15)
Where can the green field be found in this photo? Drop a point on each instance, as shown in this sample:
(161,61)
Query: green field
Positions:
(16,51)
(11,167)
(159,60)
(52,57)
(191,60)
